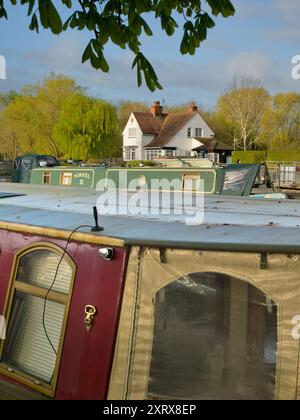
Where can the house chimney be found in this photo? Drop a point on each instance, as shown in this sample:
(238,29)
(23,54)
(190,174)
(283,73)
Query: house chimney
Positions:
(193,107)
(157,109)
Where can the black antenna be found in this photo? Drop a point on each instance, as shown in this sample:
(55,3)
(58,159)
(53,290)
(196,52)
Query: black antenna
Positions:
(96,228)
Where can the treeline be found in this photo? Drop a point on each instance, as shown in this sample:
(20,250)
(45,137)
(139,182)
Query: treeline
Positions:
(58,117)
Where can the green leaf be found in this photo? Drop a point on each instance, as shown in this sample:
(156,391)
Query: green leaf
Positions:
(30,7)
(143,65)
(43,13)
(67,3)
(3,13)
(146,27)
(87,53)
(67,22)
(207,21)
(54,19)
(223,7)
(34,24)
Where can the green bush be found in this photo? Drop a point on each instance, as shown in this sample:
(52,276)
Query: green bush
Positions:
(139,163)
(284,156)
(249,157)
(263,156)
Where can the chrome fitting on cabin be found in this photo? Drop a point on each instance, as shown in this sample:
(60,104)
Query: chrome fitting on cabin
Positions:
(107,253)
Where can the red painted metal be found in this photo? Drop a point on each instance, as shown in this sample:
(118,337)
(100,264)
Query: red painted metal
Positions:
(87,356)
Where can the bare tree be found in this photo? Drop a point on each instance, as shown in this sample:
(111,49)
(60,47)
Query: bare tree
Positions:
(244,105)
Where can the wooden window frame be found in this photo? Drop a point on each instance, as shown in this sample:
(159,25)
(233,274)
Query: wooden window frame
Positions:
(48,175)
(39,292)
(132,132)
(197,130)
(69,175)
(191,176)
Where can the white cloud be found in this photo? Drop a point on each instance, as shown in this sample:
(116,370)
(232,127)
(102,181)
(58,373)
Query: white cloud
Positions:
(254,64)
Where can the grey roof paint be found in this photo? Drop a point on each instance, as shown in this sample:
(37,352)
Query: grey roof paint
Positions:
(229,223)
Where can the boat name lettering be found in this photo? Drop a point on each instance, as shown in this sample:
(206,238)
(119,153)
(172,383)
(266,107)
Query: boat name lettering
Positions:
(82,175)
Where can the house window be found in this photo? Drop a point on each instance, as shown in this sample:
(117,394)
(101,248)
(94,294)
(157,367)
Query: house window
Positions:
(133,154)
(198,132)
(213,157)
(170,153)
(66,178)
(130,153)
(36,313)
(152,154)
(189,132)
(46,177)
(132,132)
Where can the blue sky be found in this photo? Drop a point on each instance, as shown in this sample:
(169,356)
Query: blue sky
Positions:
(259,41)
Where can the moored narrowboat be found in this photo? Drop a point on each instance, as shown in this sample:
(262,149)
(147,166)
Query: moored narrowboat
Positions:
(197,175)
(147,306)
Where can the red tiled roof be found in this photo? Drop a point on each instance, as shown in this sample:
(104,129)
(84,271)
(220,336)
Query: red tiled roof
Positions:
(170,127)
(148,123)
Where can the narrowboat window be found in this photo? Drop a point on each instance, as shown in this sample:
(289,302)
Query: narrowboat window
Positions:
(47,178)
(27,350)
(191,182)
(215,337)
(66,178)
(38,268)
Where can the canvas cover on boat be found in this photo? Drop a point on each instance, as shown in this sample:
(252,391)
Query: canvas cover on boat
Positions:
(238,180)
(208,325)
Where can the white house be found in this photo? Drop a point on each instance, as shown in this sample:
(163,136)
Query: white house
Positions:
(151,134)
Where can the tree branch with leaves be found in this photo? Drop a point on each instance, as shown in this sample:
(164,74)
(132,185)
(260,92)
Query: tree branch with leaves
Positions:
(124,23)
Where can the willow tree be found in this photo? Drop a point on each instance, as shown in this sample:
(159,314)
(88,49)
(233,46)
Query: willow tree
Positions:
(124,23)
(31,116)
(92,131)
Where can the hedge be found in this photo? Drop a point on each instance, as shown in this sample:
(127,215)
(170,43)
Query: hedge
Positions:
(139,163)
(263,156)
(284,156)
(249,157)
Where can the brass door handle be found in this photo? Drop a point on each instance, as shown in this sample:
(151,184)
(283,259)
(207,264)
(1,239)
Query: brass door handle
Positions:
(90,312)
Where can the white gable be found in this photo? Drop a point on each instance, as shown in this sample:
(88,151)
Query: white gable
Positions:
(183,142)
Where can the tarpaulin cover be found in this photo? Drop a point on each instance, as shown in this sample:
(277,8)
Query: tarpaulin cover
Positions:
(208,325)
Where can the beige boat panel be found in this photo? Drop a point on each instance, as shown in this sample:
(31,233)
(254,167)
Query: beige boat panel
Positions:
(280,282)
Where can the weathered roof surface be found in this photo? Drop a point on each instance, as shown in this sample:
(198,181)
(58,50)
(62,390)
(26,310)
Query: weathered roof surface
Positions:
(212,144)
(171,125)
(229,223)
(148,123)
